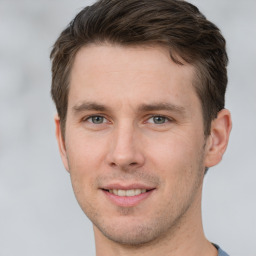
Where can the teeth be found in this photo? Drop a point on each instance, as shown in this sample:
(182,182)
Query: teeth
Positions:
(130,192)
(121,192)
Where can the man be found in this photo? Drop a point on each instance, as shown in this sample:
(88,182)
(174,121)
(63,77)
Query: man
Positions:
(139,86)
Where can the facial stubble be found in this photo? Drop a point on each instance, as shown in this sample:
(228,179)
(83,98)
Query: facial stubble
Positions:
(143,234)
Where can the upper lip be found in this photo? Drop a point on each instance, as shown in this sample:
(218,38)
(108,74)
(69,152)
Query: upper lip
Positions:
(127,186)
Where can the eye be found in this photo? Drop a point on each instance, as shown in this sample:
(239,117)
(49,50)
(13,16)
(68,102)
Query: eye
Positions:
(96,119)
(158,119)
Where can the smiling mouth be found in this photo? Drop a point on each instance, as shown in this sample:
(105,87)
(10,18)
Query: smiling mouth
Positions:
(129,196)
(128,193)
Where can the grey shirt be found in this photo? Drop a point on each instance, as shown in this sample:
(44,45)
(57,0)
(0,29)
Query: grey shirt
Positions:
(220,252)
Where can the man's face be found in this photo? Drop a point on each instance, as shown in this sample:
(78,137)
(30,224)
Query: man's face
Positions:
(134,142)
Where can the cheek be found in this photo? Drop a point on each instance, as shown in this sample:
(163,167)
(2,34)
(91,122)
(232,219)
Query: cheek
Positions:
(174,150)
(83,159)
(83,166)
(179,164)
(177,159)
(84,152)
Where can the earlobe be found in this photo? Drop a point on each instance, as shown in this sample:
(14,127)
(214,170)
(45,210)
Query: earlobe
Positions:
(218,139)
(61,142)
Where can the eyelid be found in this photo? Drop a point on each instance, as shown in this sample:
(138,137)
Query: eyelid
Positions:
(86,118)
(168,119)
(106,119)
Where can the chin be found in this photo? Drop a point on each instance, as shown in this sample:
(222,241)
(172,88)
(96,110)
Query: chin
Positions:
(132,233)
(136,237)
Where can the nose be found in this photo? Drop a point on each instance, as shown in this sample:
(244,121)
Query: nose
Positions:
(125,151)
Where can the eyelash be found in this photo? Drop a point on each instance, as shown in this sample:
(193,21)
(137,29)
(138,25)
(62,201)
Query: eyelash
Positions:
(166,119)
(94,116)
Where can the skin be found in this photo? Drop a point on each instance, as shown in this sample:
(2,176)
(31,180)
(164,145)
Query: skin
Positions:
(124,88)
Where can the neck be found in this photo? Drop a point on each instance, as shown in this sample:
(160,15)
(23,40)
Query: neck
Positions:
(187,238)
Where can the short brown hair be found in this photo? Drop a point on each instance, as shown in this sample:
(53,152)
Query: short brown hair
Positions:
(176,24)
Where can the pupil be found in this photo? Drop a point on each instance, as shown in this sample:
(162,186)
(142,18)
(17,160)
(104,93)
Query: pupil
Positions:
(97,119)
(159,119)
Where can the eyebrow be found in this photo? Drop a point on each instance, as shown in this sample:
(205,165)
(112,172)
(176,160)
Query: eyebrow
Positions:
(85,106)
(162,106)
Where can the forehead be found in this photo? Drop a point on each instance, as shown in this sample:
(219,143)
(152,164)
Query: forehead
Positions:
(130,75)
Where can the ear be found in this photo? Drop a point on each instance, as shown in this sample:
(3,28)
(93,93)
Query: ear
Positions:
(218,140)
(61,142)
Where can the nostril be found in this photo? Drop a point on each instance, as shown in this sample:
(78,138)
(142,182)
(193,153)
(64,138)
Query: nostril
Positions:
(113,164)
(131,164)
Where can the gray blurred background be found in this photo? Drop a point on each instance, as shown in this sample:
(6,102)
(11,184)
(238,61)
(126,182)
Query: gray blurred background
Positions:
(38,212)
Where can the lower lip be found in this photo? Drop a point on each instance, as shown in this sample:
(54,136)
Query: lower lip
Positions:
(127,201)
